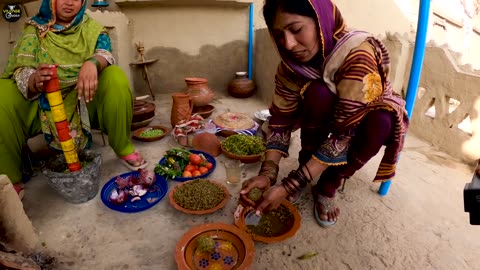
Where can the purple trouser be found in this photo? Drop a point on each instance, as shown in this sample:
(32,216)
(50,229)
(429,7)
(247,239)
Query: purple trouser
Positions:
(374,131)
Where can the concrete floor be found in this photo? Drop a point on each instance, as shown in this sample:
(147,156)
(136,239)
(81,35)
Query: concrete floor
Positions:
(420,224)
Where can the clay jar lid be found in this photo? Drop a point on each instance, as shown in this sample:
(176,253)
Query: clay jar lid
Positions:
(142,110)
(234,121)
(233,248)
(297,220)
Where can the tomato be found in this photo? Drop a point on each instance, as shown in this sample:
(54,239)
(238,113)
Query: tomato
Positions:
(187,174)
(195,159)
(203,170)
(189,168)
(196,173)
(209,165)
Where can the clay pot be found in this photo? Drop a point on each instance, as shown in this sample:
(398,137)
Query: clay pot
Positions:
(142,110)
(239,219)
(182,107)
(204,111)
(241,86)
(234,249)
(199,91)
(207,142)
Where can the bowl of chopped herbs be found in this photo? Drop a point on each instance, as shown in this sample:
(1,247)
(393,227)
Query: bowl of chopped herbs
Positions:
(199,196)
(150,133)
(246,148)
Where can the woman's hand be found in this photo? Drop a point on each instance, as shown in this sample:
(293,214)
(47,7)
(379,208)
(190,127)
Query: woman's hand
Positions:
(42,74)
(272,199)
(259,181)
(87,81)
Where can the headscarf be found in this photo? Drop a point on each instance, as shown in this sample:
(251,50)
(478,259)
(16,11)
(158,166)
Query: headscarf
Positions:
(45,20)
(331,29)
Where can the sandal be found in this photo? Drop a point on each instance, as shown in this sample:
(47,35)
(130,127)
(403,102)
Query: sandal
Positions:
(327,204)
(130,160)
(19,189)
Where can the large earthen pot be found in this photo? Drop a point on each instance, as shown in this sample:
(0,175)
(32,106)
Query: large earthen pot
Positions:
(199,91)
(241,86)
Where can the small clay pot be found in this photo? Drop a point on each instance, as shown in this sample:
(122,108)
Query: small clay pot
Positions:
(241,86)
(142,110)
(199,91)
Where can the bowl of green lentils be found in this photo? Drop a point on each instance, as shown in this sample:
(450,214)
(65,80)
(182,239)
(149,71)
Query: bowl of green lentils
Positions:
(150,133)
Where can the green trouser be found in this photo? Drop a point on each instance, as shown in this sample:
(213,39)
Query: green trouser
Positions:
(111,111)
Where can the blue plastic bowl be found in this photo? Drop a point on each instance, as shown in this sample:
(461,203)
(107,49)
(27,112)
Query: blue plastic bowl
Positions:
(209,158)
(160,189)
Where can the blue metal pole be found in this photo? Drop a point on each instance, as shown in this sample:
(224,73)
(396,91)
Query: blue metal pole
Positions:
(415,72)
(250,42)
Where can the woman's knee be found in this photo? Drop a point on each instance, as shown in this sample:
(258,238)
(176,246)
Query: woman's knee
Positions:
(11,100)
(379,122)
(114,76)
(114,83)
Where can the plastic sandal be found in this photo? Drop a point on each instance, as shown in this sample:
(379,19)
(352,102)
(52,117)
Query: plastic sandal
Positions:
(19,189)
(327,203)
(135,156)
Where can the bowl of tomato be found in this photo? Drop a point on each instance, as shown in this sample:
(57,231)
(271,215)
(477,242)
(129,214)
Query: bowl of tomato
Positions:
(181,165)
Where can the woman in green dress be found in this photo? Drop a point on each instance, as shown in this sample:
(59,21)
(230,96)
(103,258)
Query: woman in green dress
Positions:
(96,93)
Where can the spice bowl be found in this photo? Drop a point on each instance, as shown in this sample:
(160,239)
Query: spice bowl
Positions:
(150,133)
(201,193)
(274,226)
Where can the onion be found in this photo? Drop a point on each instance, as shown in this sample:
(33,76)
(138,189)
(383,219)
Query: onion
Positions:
(123,182)
(146,177)
(139,190)
(118,196)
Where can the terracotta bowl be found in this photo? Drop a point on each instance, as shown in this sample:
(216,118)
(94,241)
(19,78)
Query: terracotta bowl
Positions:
(137,133)
(244,159)
(234,249)
(297,220)
(199,212)
(204,111)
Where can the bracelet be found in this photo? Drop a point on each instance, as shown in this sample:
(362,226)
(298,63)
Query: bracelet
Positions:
(96,62)
(269,169)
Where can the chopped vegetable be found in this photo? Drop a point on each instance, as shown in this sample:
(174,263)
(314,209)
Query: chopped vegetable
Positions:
(151,133)
(177,162)
(244,145)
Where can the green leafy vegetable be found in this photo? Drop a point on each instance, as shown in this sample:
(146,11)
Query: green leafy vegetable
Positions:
(176,160)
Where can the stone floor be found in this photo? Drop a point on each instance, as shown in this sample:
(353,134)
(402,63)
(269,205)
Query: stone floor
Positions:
(420,224)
